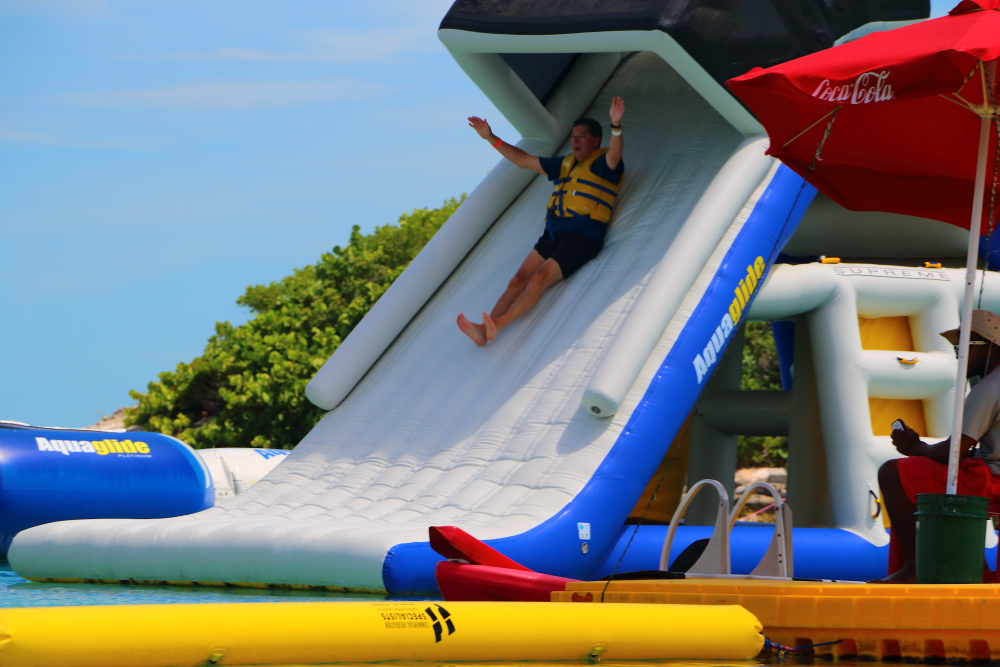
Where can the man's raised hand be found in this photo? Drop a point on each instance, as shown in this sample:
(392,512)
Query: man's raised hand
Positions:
(481,127)
(614,155)
(617,110)
(512,153)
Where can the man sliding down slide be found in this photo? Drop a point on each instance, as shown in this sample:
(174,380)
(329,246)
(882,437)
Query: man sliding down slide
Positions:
(577,218)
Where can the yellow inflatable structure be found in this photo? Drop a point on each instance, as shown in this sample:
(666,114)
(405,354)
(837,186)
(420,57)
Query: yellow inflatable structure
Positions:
(914,623)
(326,632)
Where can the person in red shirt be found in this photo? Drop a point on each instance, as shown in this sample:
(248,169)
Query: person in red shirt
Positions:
(924,468)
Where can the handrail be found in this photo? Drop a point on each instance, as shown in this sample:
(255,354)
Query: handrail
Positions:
(777,560)
(715,558)
(714,561)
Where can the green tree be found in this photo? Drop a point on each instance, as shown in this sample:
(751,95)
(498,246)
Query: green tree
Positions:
(760,371)
(248,387)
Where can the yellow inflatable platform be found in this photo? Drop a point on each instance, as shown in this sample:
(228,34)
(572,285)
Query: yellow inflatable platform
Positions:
(912,623)
(326,632)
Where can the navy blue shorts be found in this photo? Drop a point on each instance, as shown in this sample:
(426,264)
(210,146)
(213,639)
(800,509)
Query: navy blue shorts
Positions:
(571,250)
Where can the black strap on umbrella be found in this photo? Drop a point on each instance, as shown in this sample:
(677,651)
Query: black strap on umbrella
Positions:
(822,142)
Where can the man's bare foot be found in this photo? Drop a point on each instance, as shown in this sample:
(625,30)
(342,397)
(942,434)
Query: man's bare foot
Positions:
(904,576)
(489,327)
(474,331)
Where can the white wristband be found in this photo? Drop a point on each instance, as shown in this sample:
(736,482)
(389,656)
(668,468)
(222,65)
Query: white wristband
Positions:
(616,133)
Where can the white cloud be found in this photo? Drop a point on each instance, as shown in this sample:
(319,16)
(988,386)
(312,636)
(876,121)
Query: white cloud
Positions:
(40,139)
(235,94)
(426,12)
(26,137)
(229,53)
(334,47)
(385,31)
(372,46)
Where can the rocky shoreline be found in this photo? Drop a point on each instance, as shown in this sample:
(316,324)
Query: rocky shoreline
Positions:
(758,507)
(113,422)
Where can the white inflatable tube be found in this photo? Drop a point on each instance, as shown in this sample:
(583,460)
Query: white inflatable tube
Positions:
(833,297)
(394,310)
(675,274)
(510,95)
(874,26)
(736,412)
(919,374)
(463,44)
(786,294)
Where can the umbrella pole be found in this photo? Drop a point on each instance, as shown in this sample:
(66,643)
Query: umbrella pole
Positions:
(967,303)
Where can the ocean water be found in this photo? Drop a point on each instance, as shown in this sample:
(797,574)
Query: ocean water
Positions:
(16,591)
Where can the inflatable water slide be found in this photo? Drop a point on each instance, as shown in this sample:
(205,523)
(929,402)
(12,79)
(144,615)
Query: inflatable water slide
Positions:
(544,441)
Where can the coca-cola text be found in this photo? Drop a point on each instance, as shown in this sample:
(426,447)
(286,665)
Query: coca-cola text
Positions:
(867,88)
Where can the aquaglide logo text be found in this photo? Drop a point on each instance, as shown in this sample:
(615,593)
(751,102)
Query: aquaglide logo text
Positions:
(744,290)
(99,447)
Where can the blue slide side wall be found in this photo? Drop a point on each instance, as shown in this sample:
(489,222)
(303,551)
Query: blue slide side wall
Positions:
(556,546)
(51,475)
(819,553)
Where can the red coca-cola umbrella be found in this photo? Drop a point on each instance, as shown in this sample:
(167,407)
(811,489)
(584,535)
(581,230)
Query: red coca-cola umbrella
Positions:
(903,121)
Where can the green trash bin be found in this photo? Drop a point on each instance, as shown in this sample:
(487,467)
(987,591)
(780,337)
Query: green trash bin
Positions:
(951,538)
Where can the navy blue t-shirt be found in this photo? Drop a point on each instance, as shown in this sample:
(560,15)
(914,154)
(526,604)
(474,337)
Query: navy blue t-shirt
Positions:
(551,167)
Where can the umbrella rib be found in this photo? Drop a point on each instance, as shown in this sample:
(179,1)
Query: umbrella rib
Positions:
(965,104)
(978,109)
(820,120)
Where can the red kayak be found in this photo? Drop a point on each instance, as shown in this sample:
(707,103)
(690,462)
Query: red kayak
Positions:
(476,571)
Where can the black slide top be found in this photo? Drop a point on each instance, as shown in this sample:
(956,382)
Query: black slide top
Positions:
(726,37)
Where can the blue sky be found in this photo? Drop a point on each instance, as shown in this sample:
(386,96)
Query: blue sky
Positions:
(156,158)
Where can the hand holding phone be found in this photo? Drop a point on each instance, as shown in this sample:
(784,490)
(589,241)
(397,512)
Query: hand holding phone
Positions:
(906,441)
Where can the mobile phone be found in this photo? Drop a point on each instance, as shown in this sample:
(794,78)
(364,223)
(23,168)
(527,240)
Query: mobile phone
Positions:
(898,425)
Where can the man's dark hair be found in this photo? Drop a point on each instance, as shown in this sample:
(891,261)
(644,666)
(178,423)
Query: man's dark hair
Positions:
(592,126)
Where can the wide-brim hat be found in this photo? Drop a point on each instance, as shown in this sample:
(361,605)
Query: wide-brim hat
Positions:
(984,323)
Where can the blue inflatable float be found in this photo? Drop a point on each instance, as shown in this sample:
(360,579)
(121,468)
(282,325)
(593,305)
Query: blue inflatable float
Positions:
(49,474)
